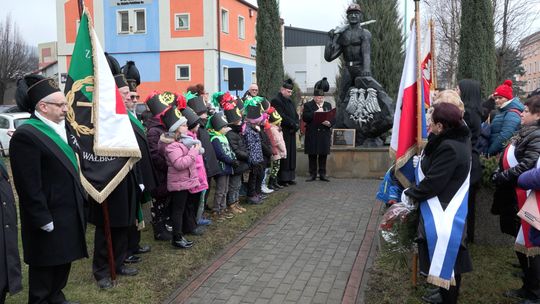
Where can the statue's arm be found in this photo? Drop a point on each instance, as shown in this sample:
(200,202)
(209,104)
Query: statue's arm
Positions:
(332,50)
(366,52)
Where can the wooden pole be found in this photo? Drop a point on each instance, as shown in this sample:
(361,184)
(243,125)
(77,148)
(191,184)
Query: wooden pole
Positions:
(418,113)
(81,6)
(433,57)
(107,230)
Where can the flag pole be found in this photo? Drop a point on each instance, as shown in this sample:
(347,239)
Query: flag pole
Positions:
(418,116)
(433,61)
(104,204)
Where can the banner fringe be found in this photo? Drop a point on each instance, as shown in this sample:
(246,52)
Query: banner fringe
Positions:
(437,281)
(102,196)
(530,252)
(116,152)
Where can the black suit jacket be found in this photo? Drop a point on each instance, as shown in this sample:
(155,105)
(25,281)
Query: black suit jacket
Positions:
(49,189)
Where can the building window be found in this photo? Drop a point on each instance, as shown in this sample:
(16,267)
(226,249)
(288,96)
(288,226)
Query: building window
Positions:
(140,17)
(224,20)
(254,77)
(123,22)
(183,72)
(131,21)
(181,21)
(225,73)
(241,28)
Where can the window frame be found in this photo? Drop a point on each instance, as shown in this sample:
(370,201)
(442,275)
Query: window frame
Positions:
(177,23)
(177,75)
(223,29)
(119,22)
(242,30)
(225,70)
(136,23)
(253,77)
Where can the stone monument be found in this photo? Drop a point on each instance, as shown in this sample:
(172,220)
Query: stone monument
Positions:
(363,104)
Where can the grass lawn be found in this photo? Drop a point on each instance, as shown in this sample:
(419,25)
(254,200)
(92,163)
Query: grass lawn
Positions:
(162,270)
(390,278)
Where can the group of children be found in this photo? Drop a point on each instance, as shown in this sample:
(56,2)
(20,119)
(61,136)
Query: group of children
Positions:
(246,139)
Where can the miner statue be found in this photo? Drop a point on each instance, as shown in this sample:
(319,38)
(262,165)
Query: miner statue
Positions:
(363,104)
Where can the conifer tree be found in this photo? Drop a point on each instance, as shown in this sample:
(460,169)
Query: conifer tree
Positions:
(476,59)
(386,42)
(269,48)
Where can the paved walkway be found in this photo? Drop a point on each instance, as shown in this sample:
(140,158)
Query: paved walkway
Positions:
(313,248)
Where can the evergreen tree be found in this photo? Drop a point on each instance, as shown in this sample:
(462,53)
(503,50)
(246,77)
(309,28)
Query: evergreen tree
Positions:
(510,66)
(476,59)
(269,48)
(386,42)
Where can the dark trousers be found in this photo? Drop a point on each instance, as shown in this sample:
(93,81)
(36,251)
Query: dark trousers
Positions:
(317,160)
(255,180)
(178,208)
(3,294)
(451,296)
(134,238)
(160,213)
(531,270)
(46,283)
(189,222)
(100,262)
(473,189)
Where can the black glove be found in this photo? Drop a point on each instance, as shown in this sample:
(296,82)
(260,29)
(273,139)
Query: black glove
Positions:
(499,178)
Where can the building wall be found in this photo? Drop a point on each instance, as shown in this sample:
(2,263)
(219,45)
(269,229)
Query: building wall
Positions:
(248,69)
(307,65)
(47,53)
(230,42)
(530,50)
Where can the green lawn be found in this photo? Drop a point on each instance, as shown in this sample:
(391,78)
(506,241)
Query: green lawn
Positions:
(390,278)
(161,271)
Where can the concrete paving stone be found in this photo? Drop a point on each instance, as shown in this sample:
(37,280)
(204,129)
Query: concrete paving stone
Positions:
(318,273)
(283,288)
(262,301)
(289,279)
(280,274)
(251,296)
(304,300)
(242,290)
(225,294)
(218,301)
(299,285)
(320,298)
(273,283)
(325,286)
(304,275)
(234,299)
(268,293)
(309,291)
(314,281)
(335,295)
(293,295)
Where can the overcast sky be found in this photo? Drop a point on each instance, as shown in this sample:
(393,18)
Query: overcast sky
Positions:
(36,19)
(38,24)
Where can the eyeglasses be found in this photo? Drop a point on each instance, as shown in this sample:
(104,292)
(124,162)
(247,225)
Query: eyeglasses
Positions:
(58,104)
(133,97)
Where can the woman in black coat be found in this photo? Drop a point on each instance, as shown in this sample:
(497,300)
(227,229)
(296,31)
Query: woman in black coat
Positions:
(10,262)
(469,91)
(317,138)
(526,151)
(445,164)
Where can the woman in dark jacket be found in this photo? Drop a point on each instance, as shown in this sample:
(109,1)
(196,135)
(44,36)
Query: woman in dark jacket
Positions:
(521,155)
(469,91)
(445,169)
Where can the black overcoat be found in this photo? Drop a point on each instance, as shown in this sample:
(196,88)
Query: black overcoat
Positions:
(10,261)
(446,164)
(289,125)
(318,136)
(49,189)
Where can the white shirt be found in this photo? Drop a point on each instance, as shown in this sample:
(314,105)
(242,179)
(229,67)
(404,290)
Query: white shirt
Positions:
(59,128)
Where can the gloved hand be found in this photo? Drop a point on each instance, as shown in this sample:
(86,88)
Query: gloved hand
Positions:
(405,198)
(48,227)
(499,178)
(415,160)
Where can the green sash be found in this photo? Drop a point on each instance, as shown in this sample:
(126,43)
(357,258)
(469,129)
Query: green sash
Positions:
(136,122)
(49,132)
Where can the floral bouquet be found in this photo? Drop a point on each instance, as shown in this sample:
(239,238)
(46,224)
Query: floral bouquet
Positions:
(399,226)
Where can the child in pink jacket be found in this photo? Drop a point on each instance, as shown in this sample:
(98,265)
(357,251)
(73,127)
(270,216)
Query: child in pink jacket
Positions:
(182,172)
(279,150)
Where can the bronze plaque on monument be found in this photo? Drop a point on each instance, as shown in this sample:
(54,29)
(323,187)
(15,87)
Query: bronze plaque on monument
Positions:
(343,138)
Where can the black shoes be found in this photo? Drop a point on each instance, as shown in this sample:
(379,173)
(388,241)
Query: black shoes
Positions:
(180,242)
(105,283)
(163,236)
(324,178)
(519,294)
(143,249)
(127,271)
(291,183)
(132,259)
(313,178)
(433,296)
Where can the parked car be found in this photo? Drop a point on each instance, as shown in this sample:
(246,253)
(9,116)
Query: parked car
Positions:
(8,123)
(9,109)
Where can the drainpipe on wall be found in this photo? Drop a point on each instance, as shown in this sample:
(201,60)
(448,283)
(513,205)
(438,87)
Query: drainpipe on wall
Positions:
(219,44)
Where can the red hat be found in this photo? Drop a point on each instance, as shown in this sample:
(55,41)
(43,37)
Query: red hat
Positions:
(504,90)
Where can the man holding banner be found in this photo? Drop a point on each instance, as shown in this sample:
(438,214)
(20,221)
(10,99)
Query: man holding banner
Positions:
(51,197)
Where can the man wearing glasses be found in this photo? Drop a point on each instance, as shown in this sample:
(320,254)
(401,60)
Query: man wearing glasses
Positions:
(46,176)
(290,124)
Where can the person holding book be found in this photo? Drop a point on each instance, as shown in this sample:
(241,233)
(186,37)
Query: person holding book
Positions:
(318,134)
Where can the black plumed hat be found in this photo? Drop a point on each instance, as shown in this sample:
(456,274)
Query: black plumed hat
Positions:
(217,121)
(192,117)
(321,87)
(33,88)
(132,75)
(119,78)
(233,115)
(159,102)
(197,104)
(288,84)
(172,119)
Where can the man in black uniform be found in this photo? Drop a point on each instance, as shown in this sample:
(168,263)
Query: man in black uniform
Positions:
(46,176)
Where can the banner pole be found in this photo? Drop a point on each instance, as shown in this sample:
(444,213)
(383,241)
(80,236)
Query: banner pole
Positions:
(107,230)
(433,57)
(418,115)
(80,5)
